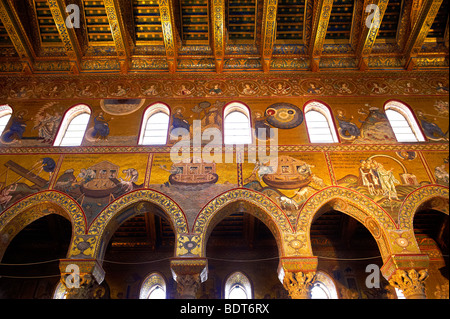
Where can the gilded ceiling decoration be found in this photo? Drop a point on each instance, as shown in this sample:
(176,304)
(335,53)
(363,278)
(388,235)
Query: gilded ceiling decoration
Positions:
(174,36)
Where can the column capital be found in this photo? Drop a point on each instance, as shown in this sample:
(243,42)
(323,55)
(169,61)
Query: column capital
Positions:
(298,284)
(404,262)
(297,274)
(411,282)
(80,277)
(297,264)
(408,273)
(189,273)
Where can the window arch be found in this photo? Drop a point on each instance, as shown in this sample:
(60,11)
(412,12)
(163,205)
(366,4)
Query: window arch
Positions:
(155,125)
(236,124)
(403,123)
(238,286)
(5,115)
(73,126)
(399,294)
(319,123)
(153,287)
(60,291)
(323,287)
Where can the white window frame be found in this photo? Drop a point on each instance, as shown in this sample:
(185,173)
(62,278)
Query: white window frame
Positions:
(149,112)
(241,108)
(68,117)
(5,115)
(405,112)
(323,110)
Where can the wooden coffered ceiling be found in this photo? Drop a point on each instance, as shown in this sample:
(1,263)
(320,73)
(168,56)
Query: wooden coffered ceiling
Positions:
(132,36)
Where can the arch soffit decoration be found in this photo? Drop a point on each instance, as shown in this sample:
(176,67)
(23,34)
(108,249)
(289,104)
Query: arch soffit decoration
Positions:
(45,203)
(170,208)
(433,196)
(266,210)
(352,203)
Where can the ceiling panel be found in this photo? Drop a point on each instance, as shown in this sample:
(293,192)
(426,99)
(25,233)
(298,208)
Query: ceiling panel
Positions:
(194,21)
(48,32)
(340,24)
(242,20)
(290,19)
(391,19)
(98,29)
(147,22)
(437,29)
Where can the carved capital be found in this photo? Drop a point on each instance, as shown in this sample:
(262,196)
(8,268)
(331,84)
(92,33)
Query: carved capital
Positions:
(189,273)
(84,289)
(298,284)
(81,277)
(187,286)
(411,282)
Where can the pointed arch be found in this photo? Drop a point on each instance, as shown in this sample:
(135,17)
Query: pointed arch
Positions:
(108,217)
(38,205)
(430,196)
(324,286)
(238,282)
(254,203)
(152,282)
(352,203)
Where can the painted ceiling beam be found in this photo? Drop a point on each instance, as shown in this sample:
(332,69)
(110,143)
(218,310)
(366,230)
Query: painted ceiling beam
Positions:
(321,17)
(67,33)
(269,28)
(372,19)
(169,33)
(118,32)
(17,34)
(423,22)
(218,36)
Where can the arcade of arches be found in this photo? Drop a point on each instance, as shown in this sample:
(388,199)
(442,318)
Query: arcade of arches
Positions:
(221,161)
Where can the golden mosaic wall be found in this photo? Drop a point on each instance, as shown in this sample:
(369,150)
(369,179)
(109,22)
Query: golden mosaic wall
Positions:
(131,173)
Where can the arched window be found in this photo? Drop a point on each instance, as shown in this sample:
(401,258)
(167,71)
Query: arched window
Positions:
(73,126)
(236,124)
(323,287)
(403,122)
(155,125)
(238,286)
(153,287)
(319,123)
(60,291)
(5,115)
(399,293)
